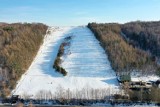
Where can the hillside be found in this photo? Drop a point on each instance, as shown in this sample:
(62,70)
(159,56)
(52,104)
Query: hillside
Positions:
(88,70)
(124,56)
(19,44)
(74,62)
(144,35)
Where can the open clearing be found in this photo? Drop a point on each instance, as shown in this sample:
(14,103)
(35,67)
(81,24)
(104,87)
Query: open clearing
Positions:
(85,62)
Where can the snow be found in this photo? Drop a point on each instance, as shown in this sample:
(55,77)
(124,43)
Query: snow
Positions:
(86,63)
(137,76)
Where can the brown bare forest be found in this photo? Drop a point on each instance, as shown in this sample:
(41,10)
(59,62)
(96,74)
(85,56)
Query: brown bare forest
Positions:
(125,49)
(19,44)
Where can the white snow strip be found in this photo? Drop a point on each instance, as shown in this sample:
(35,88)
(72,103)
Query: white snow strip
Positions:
(86,64)
(138,76)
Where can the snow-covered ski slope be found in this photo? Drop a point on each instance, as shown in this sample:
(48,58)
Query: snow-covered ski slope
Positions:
(85,62)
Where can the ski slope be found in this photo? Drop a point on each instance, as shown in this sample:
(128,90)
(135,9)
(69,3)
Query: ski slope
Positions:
(85,61)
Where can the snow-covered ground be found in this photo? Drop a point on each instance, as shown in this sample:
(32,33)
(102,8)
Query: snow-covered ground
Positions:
(138,76)
(86,64)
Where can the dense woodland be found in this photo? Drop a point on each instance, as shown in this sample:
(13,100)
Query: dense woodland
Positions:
(124,55)
(19,44)
(145,35)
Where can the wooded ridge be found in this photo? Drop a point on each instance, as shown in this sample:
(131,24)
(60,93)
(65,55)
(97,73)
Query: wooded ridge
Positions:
(19,44)
(125,47)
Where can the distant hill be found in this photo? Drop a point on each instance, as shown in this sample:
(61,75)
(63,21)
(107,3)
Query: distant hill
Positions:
(144,35)
(2,23)
(19,44)
(131,46)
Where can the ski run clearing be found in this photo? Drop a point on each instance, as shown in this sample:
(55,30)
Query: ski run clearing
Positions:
(85,62)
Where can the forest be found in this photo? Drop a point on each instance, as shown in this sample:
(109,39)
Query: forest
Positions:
(144,35)
(19,43)
(130,47)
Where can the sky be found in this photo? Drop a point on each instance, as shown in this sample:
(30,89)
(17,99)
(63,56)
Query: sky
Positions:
(78,12)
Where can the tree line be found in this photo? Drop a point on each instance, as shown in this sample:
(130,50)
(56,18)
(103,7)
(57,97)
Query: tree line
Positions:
(124,56)
(57,63)
(19,44)
(145,35)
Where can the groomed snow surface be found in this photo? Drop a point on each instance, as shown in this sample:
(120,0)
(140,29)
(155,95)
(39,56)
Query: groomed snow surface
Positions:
(85,61)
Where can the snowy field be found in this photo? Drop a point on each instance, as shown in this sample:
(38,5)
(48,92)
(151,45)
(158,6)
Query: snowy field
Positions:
(85,62)
(137,76)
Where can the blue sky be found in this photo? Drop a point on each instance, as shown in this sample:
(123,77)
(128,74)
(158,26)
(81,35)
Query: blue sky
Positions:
(78,12)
